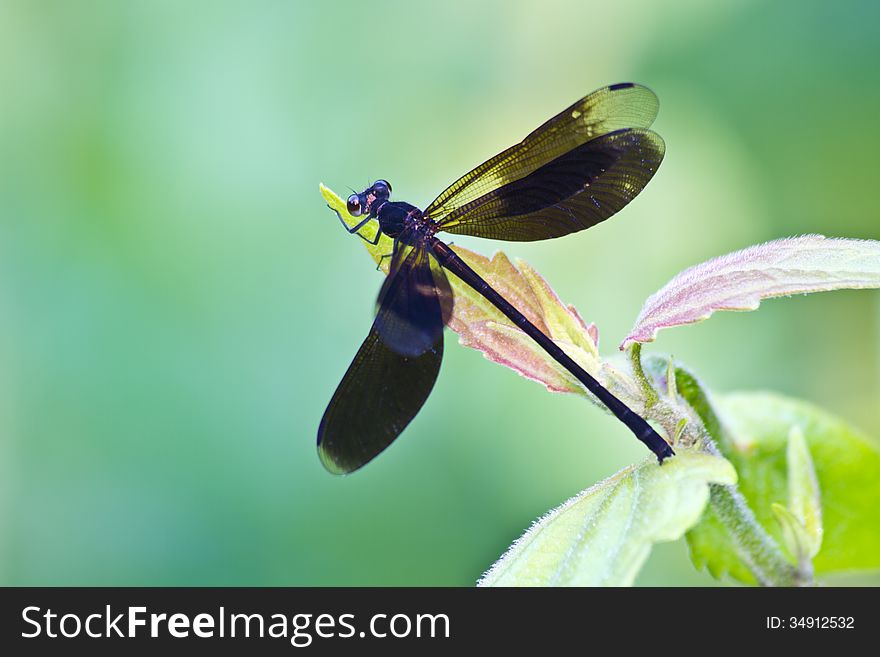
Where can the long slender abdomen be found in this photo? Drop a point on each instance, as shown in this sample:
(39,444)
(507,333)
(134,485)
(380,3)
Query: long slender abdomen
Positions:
(636,423)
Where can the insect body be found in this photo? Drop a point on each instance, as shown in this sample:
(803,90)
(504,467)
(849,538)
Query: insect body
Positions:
(574,171)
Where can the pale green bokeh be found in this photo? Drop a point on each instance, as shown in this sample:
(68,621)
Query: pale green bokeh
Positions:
(176,305)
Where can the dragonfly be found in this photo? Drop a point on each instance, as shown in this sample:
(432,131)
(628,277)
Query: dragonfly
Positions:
(577,169)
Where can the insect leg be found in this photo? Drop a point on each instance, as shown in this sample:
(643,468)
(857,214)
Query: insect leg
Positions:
(356,228)
(375,241)
(387,255)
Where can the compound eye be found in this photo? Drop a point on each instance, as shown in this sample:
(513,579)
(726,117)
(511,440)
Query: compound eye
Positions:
(382,188)
(354,205)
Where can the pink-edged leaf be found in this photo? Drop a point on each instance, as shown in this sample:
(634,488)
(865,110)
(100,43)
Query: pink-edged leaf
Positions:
(481,326)
(740,280)
(508,346)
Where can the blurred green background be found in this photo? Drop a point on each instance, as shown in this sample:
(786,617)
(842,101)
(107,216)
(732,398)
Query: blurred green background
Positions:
(177,304)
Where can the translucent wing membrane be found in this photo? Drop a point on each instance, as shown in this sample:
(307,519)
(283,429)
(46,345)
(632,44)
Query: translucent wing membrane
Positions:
(415,302)
(576,190)
(396,367)
(603,111)
(378,397)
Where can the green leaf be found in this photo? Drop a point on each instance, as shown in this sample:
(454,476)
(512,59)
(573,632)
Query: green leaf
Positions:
(602,536)
(804,497)
(794,534)
(757,427)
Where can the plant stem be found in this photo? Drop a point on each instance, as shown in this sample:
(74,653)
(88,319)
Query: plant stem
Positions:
(635,357)
(754,546)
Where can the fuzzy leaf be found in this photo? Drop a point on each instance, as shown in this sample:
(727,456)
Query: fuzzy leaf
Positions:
(602,536)
(740,280)
(483,327)
(794,534)
(804,498)
(847,468)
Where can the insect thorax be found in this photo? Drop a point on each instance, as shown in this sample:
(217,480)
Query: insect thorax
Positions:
(394,216)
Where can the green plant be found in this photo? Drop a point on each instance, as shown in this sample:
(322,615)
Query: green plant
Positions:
(767,490)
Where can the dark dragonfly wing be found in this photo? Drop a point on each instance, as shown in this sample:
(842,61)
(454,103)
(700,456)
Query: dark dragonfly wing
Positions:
(556,172)
(378,396)
(415,301)
(575,191)
(396,367)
